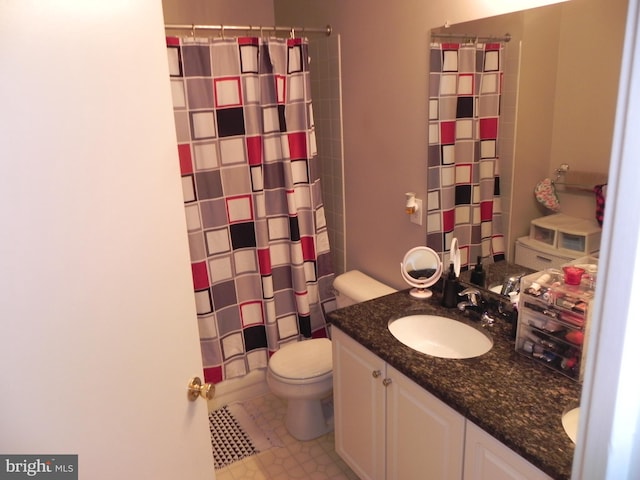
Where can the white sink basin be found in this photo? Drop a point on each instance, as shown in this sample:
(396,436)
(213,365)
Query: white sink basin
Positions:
(570,423)
(440,336)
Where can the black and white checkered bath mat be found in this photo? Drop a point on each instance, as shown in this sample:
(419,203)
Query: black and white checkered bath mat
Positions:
(229,441)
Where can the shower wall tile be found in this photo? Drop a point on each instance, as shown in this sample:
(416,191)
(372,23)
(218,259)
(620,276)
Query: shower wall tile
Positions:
(508,109)
(327,104)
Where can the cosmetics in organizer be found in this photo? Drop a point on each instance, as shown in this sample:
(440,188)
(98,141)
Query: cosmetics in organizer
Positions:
(553,317)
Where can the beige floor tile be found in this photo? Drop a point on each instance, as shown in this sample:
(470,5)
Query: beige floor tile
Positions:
(291,458)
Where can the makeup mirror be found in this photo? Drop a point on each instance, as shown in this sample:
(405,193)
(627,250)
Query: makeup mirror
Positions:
(421,268)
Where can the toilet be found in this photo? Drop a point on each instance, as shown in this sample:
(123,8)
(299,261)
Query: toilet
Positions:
(354,287)
(302,372)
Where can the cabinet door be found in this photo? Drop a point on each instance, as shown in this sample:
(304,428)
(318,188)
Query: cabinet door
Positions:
(425,437)
(488,459)
(359,403)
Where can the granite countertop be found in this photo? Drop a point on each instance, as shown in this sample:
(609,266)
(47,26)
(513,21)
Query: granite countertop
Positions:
(515,400)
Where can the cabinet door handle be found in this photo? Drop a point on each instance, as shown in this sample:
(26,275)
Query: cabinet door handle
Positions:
(386,382)
(376,373)
(543,259)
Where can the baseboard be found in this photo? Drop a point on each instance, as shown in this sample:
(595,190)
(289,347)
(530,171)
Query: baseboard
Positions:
(240,389)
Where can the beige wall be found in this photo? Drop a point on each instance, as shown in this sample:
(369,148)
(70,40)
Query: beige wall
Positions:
(589,57)
(540,34)
(216,12)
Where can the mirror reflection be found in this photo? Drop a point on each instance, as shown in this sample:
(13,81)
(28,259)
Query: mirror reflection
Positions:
(421,265)
(421,273)
(421,268)
(561,71)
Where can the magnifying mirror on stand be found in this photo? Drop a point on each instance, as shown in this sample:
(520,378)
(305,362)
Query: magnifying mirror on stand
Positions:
(421,268)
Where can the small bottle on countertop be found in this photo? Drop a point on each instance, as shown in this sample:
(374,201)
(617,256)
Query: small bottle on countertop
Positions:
(450,289)
(514,298)
(478,274)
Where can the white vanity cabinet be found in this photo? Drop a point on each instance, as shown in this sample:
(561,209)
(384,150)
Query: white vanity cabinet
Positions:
(387,426)
(485,458)
(359,406)
(425,436)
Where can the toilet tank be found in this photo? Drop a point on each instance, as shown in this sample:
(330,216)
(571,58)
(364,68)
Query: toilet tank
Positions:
(354,287)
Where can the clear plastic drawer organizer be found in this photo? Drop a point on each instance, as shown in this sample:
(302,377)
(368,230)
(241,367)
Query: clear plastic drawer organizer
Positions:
(553,318)
(566,234)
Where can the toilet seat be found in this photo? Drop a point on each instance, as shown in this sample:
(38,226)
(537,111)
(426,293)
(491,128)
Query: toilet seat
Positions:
(302,381)
(300,362)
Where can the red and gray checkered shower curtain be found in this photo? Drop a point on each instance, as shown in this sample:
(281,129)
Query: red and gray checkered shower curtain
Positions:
(463,198)
(262,270)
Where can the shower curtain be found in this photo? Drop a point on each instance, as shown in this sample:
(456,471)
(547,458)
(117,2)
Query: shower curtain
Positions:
(463,198)
(260,259)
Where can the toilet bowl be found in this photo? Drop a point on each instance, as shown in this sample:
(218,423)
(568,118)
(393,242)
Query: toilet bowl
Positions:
(301,372)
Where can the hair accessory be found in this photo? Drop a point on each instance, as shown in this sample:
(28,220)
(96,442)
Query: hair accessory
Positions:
(545,193)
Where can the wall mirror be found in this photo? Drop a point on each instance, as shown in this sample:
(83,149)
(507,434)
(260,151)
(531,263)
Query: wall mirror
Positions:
(561,72)
(421,268)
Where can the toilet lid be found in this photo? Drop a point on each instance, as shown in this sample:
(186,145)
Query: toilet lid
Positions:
(305,359)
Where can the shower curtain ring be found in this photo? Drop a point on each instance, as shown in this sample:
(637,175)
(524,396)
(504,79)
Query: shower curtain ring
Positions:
(193,30)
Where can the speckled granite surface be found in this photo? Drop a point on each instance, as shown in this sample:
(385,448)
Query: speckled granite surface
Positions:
(515,400)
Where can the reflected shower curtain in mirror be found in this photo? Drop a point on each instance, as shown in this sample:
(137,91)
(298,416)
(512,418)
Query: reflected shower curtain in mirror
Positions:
(262,271)
(463,197)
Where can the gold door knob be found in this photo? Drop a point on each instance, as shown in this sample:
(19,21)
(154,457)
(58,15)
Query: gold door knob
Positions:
(198,389)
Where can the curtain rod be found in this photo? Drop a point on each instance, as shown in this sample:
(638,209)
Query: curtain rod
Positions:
(248,28)
(505,38)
